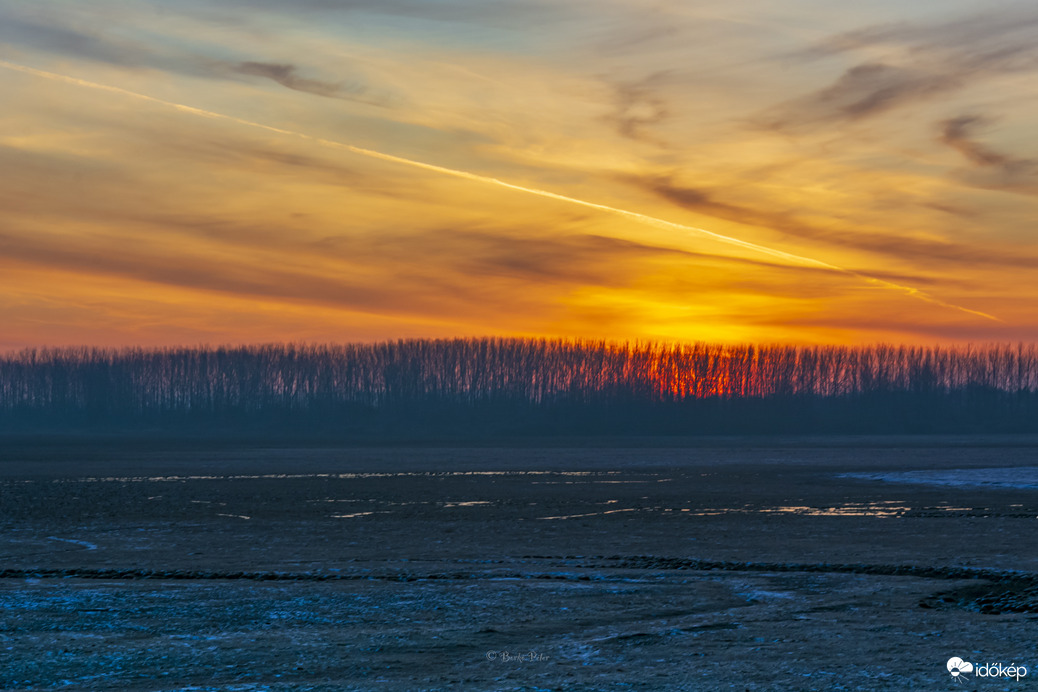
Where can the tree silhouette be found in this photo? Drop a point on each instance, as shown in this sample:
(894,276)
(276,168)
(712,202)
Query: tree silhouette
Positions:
(517,386)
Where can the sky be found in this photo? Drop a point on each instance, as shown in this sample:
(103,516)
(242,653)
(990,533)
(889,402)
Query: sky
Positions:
(179,172)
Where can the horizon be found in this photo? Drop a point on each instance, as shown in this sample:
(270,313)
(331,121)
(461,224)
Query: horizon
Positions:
(570,341)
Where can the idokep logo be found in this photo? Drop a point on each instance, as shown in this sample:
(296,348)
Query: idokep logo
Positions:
(959,669)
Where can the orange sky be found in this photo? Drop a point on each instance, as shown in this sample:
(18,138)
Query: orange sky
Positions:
(841,145)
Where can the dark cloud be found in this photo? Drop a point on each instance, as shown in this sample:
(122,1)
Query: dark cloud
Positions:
(82,43)
(863,91)
(919,250)
(926,60)
(135,55)
(952,209)
(1002,39)
(52,38)
(703,202)
(287,75)
(992,169)
(637,107)
(956,134)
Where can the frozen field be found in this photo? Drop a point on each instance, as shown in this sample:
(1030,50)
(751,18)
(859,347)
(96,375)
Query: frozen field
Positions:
(718,565)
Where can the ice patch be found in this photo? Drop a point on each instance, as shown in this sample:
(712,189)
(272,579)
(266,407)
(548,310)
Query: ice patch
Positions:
(1019,477)
(761,594)
(591,514)
(88,546)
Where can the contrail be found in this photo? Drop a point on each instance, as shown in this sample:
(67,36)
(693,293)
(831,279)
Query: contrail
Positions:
(635,216)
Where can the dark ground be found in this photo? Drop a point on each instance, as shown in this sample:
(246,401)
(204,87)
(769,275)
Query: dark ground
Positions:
(152,566)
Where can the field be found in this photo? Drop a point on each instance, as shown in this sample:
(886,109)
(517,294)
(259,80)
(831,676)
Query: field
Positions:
(828,563)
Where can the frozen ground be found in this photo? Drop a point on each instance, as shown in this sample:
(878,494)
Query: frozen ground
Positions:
(718,565)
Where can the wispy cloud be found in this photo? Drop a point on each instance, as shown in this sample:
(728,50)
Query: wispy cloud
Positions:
(992,169)
(170,57)
(863,91)
(288,75)
(926,252)
(638,107)
(909,63)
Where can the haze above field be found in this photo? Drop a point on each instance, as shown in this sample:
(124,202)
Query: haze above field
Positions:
(890,139)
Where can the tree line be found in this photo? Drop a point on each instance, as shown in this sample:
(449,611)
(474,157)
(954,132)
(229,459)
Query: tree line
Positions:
(522,386)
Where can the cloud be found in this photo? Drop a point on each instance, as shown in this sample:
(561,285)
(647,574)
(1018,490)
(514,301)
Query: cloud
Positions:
(993,170)
(533,258)
(287,75)
(955,133)
(922,251)
(255,277)
(476,274)
(911,63)
(114,191)
(863,91)
(1000,39)
(637,107)
(104,48)
(52,38)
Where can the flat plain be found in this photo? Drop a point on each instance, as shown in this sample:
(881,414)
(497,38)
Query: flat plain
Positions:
(754,563)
